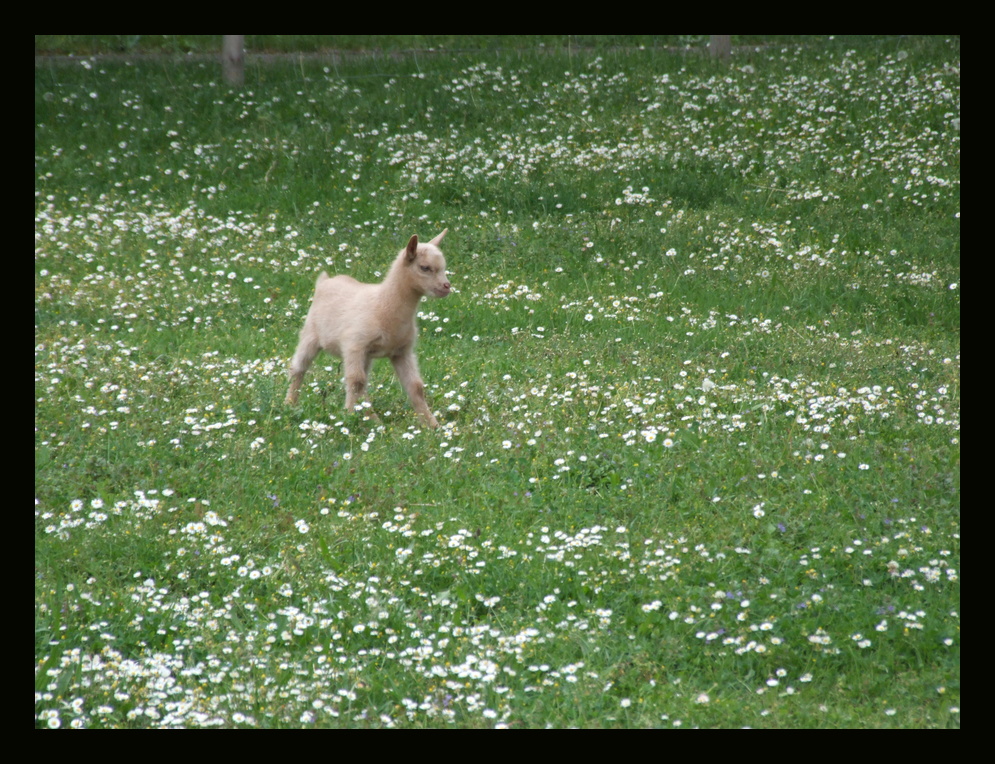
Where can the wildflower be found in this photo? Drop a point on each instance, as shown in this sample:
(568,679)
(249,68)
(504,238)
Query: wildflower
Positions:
(820,637)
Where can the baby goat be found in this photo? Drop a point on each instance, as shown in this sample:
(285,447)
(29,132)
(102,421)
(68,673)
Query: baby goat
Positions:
(359,322)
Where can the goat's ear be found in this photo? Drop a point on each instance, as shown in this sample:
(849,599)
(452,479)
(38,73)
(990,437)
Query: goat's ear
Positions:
(412,249)
(437,239)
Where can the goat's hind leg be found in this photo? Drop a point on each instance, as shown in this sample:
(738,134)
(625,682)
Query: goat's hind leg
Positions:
(307,349)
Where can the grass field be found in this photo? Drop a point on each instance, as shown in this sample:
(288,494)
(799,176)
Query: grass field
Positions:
(698,386)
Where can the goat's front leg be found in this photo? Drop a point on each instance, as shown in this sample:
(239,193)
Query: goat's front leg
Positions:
(406,368)
(357,371)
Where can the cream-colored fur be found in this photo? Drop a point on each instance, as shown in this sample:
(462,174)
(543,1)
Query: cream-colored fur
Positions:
(359,322)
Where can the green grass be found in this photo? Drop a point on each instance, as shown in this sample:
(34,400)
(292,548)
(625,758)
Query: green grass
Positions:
(699,386)
(135,44)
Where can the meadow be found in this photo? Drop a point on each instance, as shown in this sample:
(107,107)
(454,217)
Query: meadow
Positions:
(698,386)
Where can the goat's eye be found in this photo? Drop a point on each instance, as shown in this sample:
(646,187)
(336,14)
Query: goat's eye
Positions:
(425,269)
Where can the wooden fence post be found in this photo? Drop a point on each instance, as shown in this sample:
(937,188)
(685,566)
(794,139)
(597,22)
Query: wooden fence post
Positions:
(720,46)
(233,59)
